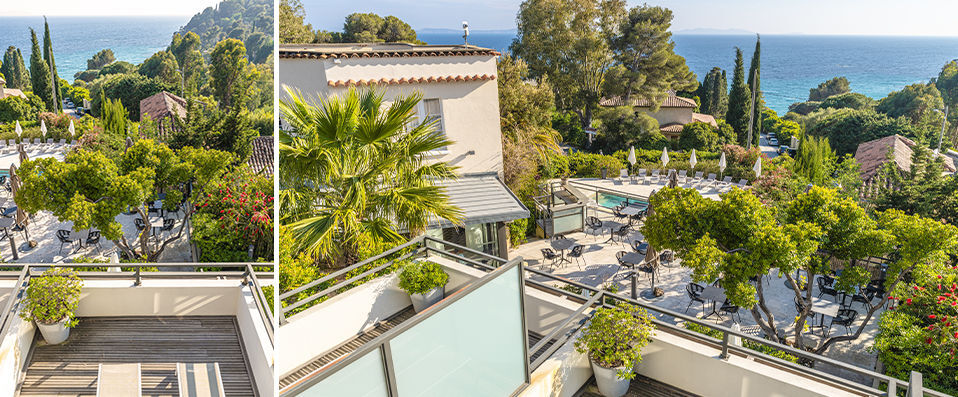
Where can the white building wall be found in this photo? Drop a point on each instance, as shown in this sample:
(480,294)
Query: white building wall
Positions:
(470,109)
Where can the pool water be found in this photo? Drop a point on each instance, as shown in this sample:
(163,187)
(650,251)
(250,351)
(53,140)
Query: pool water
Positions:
(610,200)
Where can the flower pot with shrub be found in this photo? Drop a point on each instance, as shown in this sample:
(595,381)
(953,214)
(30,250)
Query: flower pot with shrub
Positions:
(424,281)
(614,340)
(51,300)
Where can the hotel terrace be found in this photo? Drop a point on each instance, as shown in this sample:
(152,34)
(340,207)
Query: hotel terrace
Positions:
(149,319)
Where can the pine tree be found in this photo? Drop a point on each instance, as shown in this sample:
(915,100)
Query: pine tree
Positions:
(755,82)
(48,58)
(40,74)
(738,99)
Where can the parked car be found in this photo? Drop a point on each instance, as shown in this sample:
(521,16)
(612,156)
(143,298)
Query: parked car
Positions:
(773,141)
(783,149)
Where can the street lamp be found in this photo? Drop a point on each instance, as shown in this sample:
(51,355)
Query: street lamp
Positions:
(944,122)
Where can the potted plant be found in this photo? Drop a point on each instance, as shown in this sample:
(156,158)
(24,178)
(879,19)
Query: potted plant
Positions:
(51,300)
(614,340)
(424,281)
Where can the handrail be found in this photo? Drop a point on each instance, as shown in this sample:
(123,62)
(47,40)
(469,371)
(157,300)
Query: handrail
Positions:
(247,274)
(583,185)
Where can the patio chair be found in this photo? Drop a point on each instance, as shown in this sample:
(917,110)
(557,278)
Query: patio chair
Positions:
(119,380)
(65,237)
(93,239)
(640,246)
(670,172)
(825,289)
(865,298)
(616,211)
(199,380)
(618,258)
(742,184)
(641,174)
(36,141)
(726,183)
(549,255)
(577,254)
(655,176)
(554,237)
(140,226)
(624,174)
(731,310)
(594,225)
(846,317)
(710,181)
(694,292)
(697,179)
(683,176)
(622,233)
(63,142)
(49,141)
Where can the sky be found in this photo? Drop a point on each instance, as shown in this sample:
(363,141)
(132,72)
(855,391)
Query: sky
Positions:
(105,7)
(822,17)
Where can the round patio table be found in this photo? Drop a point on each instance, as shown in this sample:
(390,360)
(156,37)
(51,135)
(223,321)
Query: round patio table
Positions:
(633,259)
(561,245)
(613,226)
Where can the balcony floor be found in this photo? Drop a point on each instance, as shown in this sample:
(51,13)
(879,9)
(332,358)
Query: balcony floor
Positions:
(641,386)
(158,343)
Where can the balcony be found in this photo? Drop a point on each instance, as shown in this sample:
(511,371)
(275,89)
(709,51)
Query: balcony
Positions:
(483,336)
(152,318)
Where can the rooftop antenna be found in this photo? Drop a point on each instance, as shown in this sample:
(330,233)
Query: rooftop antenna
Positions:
(465,32)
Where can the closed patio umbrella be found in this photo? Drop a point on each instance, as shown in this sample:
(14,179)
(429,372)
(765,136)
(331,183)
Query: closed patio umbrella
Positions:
(693,160)
(73,131)
(758,167)
(722,164)
(632,155)
(651,258)
(18,129)
(665,157)
(43,128)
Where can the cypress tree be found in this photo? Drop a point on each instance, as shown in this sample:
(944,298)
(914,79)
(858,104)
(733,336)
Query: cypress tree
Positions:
(755,82)
(713,93)
(738,99)
(40,74)
(21,67)
(13,70)
(48,58)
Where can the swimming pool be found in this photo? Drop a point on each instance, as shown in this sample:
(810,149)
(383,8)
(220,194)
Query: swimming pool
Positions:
(608,200)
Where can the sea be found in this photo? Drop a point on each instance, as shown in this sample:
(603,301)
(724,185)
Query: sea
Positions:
(793,64)
(76,39)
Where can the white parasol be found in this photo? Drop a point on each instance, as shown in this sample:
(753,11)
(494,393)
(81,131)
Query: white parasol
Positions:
(73,131)
(692,159)
(758,167)
(43,128)
(665,157)
(632,155)
(722,163)
(18,129)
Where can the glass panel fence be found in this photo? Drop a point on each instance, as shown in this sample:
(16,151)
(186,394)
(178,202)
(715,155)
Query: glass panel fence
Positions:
(364,377)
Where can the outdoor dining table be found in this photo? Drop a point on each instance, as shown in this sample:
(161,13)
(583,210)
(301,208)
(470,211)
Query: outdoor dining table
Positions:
(613,226)
(631,210)
(824,307)
(561,245)
(634,259)
(714,294)
(6,223)
(156,222)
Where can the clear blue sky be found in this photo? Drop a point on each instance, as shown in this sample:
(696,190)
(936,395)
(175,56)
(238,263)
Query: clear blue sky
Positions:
(842,17)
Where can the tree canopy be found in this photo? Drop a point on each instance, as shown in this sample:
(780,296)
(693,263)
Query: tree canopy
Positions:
(834,86)
(738,100)
(713,93)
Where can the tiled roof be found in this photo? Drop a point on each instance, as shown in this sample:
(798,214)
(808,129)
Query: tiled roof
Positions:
(377,50)
(873,154)
(674,128)
(412,80)
(483,198)
(5,92)
(704,118)
(261,158)
(671,101)
(163,104)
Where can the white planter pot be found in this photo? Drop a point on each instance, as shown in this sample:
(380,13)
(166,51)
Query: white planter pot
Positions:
(54,333)
(608,381)
(421,302)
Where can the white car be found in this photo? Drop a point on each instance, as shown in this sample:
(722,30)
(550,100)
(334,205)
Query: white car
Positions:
(773,141)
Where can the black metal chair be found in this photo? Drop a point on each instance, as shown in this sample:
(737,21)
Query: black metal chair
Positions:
(825,289)
(65,237)
(616,211)
(731,310)
(594,225)
(140,225)
(865,298)
(623,233)
(694,291)
(168,225)
(846,317)
(94,239)
(577,254)
(554,237)
(550,255)
(640,246)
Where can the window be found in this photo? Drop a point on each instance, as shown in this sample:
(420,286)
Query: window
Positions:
(431,109)
(483,237)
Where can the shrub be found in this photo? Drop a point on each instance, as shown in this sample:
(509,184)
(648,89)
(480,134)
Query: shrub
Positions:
(761,348)
(52,297)
(517,231)
(589,165)
(421,277)
(615,337)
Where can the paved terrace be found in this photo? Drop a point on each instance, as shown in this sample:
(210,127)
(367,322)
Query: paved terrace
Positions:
(158,343)
(600,269)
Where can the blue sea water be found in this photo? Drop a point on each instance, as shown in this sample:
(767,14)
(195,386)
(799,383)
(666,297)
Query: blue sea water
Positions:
(76,39)
(791,65)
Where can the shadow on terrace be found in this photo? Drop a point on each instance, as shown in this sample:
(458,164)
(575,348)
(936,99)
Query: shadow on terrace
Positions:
(506,328)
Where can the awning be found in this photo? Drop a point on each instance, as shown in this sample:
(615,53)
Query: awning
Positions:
(483,198)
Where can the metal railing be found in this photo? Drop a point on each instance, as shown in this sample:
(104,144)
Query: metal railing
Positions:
(630,198)
(137,272)
(591,297)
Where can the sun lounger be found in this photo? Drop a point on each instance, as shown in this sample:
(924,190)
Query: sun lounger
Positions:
(199,380)
(36,141)
(683,176)
(742,184)
(710,181)
(49,141)
(641,175)
(655,176)
(697,179)
(119,380)
(12,142)
(623,174)
(726,183)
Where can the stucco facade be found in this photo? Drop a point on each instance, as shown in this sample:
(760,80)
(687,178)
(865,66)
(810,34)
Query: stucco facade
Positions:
(465,86)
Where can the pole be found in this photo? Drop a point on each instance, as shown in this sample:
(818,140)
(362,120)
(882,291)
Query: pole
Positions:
(941,136)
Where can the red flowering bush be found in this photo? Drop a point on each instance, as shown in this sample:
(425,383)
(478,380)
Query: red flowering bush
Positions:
(920,330)
(236,213)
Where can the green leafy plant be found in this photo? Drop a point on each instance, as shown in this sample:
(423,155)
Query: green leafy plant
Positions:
(53,296)
(615,337)
(421,277)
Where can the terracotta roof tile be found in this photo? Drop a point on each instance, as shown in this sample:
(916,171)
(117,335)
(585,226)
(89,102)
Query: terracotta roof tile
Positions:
(671,101)
(261,158)
(411,80)
(704,118)
(377,50)
(873,154)
(161,107)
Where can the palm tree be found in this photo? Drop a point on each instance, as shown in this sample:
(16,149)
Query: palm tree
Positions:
(354,173)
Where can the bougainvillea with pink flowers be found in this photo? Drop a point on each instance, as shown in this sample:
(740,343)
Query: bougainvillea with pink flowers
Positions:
(236,213)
